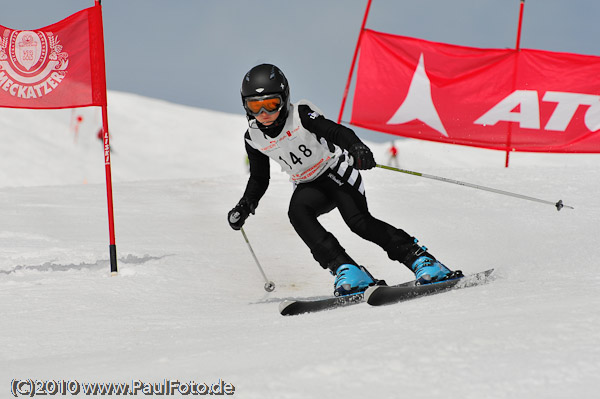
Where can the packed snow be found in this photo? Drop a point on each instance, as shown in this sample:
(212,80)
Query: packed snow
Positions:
(188,303)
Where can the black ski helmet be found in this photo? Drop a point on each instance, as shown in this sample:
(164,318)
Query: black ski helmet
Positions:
(266,79)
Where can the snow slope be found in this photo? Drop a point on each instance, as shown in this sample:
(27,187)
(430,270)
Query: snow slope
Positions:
(189,305)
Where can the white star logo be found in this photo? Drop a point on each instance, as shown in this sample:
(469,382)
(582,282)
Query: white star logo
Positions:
(418,104)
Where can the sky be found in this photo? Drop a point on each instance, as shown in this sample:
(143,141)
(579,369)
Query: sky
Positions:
(195,52)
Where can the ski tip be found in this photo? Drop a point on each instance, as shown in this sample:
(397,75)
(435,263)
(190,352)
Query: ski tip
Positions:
(487,273)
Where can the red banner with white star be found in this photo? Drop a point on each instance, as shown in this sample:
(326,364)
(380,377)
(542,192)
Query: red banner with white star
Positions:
(59,66)
(527,100)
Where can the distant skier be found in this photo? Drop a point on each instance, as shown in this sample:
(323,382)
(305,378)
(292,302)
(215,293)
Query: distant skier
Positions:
(75,124)
(322,159)
(393,152)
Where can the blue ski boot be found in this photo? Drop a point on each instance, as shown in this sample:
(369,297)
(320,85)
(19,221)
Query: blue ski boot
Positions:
(351,278)
(428,270)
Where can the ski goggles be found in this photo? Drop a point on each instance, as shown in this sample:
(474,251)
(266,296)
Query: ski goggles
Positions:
(270,104)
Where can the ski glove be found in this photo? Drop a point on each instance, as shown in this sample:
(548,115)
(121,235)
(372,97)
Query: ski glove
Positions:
(238,215)
(363,157)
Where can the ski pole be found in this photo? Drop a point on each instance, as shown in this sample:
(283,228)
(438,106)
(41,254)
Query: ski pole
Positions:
(559,205)
(269,285)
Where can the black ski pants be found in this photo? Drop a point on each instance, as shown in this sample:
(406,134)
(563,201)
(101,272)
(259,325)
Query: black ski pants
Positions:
(344,192)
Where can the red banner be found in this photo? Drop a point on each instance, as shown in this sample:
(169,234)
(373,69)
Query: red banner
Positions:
(527,100)
(59,66)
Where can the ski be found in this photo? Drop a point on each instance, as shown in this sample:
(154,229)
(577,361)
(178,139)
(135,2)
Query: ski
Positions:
(300,306)
(293,307)
(381,294)
(384,295)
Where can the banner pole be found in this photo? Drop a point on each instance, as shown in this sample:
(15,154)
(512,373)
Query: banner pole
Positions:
(362,29)
(517,49)
(518,45)
(109,194)
(107,163)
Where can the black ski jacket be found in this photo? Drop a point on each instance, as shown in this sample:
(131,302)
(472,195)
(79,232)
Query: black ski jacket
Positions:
(259,163)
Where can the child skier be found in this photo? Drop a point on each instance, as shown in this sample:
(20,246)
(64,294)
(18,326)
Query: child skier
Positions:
(322,159)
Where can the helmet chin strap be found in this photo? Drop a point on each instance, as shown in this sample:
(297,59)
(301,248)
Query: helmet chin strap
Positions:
(272,131)
(253,123)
